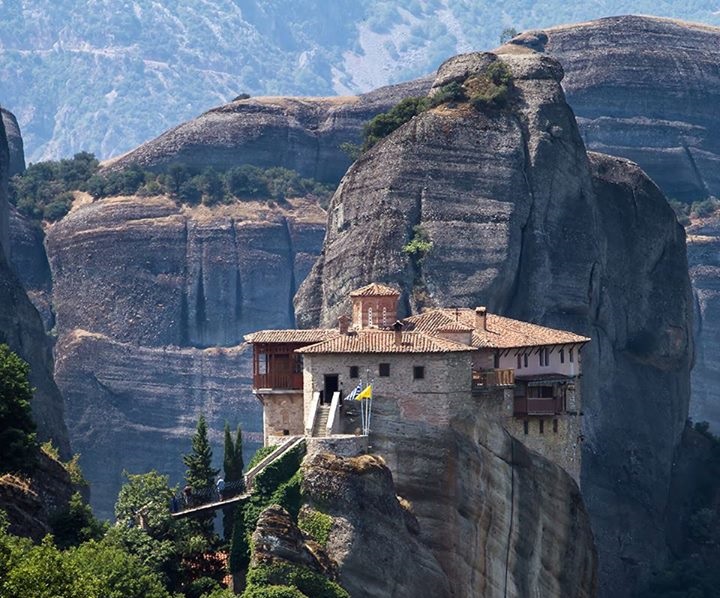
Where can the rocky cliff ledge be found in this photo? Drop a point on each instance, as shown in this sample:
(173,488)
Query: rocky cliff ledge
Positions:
(524,222)
(646,89)
(302,134)
(15,142)
(22,329)
(142,289)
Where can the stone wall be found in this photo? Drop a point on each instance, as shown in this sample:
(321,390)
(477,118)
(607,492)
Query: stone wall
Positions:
(445,373)
(282,415)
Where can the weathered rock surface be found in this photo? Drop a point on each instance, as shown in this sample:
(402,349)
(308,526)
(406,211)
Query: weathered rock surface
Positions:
(703,244)
(647,89)
(140,287)
(30,502)
(135,408)
(15,142)
(30,263)
(22,329)
(302,134)
(524,222)
(373,539)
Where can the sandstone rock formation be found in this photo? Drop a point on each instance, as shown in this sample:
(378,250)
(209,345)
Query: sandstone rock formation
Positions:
(524,222)
(15,142)
(647,89)
(140,287)
(30,502)
(373,539)
(302,134)
(22,329)
(703,244)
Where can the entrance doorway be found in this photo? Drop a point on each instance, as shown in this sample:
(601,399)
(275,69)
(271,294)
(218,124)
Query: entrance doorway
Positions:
(331,387)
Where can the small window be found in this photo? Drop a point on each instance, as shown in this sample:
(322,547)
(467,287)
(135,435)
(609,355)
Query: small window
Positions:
(555,426)
(525,426)
(286,432)
(562,355)
(384,370)
(418,372)
(354,371)
(542,426)
(525,360)
(519,364)
(544,357)
(572,356)
(496,361)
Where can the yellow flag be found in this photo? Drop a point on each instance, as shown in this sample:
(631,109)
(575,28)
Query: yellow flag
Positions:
(365,394)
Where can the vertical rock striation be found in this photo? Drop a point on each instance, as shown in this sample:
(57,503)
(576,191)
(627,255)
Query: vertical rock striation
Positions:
(22,329)
(524,222)
(646,89)
(15,142)
(151,303)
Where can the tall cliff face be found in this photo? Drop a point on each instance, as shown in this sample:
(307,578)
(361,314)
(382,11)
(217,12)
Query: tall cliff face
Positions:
(498,519)
(646,89)
(703,250)
(140,287)
(524,222)
(22,329)
(302,134)
(15,142)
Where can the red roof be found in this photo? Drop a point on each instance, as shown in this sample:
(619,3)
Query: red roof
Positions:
(499,332)
(385,341)
(313,335)
(375,290)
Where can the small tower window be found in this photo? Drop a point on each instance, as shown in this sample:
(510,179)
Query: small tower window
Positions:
(519,363)
(555,426)
(418,372)
(496,361)
(354,371)
(384,370)
(541,423)
(525,360)
(525,426)
(562,355)
(370,320)
(572,356)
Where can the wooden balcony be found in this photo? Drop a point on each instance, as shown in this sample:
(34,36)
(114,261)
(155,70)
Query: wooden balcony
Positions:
(523,406)
(279,380)
(488,379)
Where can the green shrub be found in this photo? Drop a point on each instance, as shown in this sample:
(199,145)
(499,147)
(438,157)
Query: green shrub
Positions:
(75,524)
(420,243)
(305,580)
(17,428)
(278,472)
(316,524)
(273,592)
(450,93)
(289,495)
(490,89)
(385,123)
(259,455)
(704,208)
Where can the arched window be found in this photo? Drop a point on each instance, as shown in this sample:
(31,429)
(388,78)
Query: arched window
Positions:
(370,321)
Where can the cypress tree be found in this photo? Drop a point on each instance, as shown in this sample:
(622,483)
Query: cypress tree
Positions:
(200,474)
(233,466)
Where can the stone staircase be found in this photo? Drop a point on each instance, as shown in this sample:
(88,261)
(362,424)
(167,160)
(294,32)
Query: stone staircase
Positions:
(321,420)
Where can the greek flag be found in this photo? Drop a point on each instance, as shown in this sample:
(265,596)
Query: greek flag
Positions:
(356,391)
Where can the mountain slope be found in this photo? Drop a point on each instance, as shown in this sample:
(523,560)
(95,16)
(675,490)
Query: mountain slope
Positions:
(109,77)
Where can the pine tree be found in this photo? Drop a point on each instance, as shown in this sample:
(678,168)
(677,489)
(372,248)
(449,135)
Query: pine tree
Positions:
(200,474)
(233,466)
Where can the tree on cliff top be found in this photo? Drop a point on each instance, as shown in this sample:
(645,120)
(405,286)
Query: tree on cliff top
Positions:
(17,429)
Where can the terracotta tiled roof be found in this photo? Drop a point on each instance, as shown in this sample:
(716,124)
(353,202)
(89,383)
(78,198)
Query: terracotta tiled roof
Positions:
(384,341)
(375,290)
(292,336)
(500,332)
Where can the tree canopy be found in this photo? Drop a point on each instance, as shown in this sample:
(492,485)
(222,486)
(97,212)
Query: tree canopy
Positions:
(17,429)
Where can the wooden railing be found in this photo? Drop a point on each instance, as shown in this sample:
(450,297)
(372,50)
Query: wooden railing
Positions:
(531,406)
(492,378)
(278,380)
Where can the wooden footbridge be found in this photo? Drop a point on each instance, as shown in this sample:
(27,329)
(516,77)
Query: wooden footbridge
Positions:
(248,479)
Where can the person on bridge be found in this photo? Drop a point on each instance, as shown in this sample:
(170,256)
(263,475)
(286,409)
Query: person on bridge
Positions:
(220,485)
